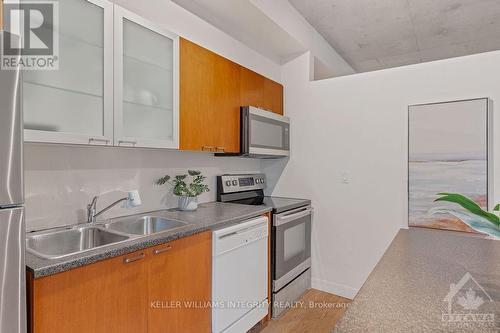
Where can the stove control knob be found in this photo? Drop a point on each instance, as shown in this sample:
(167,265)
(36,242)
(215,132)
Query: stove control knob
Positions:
(257,180)
(235,182)
(262,180)
(228,183)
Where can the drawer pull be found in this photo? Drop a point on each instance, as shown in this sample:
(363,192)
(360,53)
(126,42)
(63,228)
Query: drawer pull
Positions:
(98,140)
(207,148)
(133,259)
(127,141)
(165,249)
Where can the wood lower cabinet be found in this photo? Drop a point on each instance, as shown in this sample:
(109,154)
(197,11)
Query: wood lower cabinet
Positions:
(119,294)
(181,307)
(108,296)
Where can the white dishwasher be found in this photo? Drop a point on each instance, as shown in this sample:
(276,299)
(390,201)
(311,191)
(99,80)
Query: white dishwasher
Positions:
(240,273)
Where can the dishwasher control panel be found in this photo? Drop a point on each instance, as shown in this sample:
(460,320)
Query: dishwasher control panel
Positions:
(228,239)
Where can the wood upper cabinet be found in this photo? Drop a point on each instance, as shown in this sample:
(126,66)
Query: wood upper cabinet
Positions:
(273,96)
(209,100)
(180,278)
(251,88)
(212,89)
(259,91)
(108,296)
(130,293)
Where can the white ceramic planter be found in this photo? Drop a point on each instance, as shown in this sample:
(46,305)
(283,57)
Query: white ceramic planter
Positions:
(188,203)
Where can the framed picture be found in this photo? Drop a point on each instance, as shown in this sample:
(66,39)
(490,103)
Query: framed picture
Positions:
(449,149)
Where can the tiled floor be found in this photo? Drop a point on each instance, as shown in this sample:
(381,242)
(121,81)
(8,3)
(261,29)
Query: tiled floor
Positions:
(318,312)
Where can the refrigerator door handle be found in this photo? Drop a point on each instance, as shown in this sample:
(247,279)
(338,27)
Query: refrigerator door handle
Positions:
(12,271)
(11,134)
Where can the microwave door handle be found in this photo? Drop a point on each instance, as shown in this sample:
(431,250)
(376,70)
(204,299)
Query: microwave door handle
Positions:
(244,131)
(285,218)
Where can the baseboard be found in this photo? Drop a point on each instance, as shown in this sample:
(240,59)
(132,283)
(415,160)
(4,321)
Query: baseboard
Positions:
(334,288)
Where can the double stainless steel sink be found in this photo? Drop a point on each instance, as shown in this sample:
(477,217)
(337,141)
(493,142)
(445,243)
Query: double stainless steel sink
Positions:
(63,242)
(146,225)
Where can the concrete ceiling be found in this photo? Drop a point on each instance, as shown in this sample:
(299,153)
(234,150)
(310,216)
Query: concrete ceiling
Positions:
(377,34)
(244,22)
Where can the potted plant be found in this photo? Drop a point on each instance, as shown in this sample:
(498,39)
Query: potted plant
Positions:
(471,213)
(187,187)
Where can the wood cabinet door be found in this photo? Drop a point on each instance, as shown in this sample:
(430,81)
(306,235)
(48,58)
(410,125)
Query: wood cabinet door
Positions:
(227,105)
(108,296)
(209,100)
(180,280)
(259,91)
(273,96)
(251,88)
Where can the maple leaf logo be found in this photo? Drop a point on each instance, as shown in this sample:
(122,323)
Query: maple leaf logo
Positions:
(470,301)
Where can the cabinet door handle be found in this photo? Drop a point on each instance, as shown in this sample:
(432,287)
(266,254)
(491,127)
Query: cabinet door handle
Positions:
(98,140)
(207,148)
(133,259)
(127,141)
(165,249)
(222,149)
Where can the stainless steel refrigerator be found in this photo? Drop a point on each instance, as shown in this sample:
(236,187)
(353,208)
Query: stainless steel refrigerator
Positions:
(12,227)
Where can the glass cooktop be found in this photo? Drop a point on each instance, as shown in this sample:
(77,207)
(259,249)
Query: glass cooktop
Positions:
(278,204)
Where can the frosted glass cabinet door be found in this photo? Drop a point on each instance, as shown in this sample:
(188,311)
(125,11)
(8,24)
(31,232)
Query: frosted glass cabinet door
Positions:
(74,104)
(146,83)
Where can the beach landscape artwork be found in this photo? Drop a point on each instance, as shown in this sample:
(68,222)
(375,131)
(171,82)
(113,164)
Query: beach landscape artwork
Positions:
(448,152)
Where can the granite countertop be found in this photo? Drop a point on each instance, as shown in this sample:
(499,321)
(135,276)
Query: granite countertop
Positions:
(209,216)
(409,289)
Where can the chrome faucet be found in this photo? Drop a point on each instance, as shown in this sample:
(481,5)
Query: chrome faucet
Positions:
(92,209)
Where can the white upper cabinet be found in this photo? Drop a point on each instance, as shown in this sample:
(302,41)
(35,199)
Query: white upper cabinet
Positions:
(75,103)
(117,83)
(146,83)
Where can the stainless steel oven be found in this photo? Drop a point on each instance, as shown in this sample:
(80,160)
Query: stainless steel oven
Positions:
(292,248)
(264,134)
(291,241)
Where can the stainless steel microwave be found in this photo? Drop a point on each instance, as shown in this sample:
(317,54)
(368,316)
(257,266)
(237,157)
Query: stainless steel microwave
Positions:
(264,134)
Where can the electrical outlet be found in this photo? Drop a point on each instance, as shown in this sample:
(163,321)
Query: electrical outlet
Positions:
(346,177)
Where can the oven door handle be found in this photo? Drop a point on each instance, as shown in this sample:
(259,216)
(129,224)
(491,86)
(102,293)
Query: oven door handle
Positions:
(292,215)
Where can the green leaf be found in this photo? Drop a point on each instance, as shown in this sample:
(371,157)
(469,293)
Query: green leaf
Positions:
(469,205)
(478,223)
(163,180)
(180,188)
(497,208)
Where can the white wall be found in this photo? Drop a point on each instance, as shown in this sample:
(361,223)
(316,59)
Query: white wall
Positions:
(357,125)
(182,22)
(61,180)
